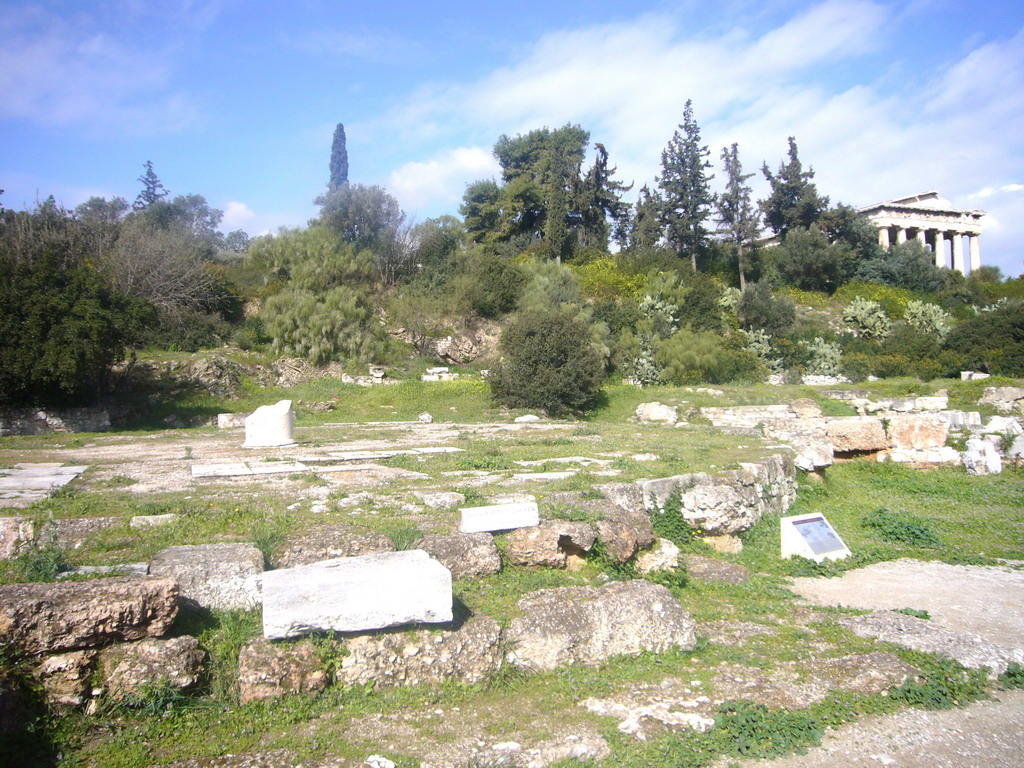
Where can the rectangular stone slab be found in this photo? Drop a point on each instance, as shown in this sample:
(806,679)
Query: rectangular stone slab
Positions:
(498,517)
(353,594)
(220,470)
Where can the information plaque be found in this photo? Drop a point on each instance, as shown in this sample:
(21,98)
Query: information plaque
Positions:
(811,536)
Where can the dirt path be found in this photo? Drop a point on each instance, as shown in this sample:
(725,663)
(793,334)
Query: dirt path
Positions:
(984,735)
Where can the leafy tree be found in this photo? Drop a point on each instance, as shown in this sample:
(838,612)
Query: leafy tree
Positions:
(807,260)
(794,199)
(759,309)
(99,210)
(437,242)
(339,160)
(152,188)
(492,284)
(684,188)
(548,363)
(738,218)
(481,210)
(237,241)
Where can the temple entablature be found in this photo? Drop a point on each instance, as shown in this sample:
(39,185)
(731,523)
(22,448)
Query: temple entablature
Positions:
(933,222)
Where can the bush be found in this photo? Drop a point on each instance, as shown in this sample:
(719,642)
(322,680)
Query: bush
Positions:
(604,279)
(992,341)
(906,265)
(549,362)
(894,301)
(867,319)
(493,285)
(807,260)
(759,309)
(928,318)
(824,357)
(690,357)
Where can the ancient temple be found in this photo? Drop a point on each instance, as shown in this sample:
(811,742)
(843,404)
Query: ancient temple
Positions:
(935,223)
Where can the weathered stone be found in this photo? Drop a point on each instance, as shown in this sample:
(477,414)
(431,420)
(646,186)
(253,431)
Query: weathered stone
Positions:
(856,434)
(805,408)
(221,576)
(132,667)
(154,521)
(15,533)
(747,418)
(498,517)
(68,616)
(1004,399)
(664,556)
(469,654)
(930,457)
(620,538)
(713,569)
(726,543)
(425,418)
(73,532)
(330,541)
(121,569)
(586,625)
(931,403)
(970,650)
(440,499)
(550,543)
(958,420)
(269,670)
(1002,425)
(918,431)
(270,426)
(656,413)
(529,418)
(982,458)
(351,594)
(628,496)
(466,555)
(231,420)
(66,678)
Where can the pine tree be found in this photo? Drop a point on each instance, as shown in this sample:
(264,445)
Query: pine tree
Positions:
(339,160)
(598,200)
(645,229)
(794,201)
(152,189)
(738,218)
(684,185)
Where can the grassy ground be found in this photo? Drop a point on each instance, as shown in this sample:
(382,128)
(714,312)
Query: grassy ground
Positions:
(932,514)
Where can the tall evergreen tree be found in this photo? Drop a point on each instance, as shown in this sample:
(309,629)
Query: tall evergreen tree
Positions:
(152,188)
(645,229)
(599,200)
(738,218)
(684,186)
(794,200)
(339,160)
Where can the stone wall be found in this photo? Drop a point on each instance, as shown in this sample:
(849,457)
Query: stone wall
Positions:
(35,421)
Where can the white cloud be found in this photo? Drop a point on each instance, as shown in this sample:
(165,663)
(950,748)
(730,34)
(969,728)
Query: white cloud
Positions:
(60,71)
(874,140)
(442,180)
(236,216)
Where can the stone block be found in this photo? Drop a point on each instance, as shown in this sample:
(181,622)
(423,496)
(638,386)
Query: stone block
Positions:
(269,671)
(231,420)
(270,426)
(856,434)
(1002,425)
(466,555)
(715,570)
(586,625)
(352,594)
(69,616)
(130,668)
(330,541)
(66,678)
(931,403)
(529,418)
(550,544)
(663,556)
(918,431)
(221,576)
(1003,399)
(467,654)
(982,458)
(657,413)
(498,517)
(154,521)
(440,499)
(15,533)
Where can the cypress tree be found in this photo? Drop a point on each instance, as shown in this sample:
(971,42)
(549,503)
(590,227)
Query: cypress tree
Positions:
(339,159)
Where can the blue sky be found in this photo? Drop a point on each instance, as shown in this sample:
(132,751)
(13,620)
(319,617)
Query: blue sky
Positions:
(237,100)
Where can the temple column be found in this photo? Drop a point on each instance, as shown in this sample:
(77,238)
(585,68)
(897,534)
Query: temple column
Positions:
(883,238)
(901,235)
(920,236)
(940,248)
(974,249)
(958,253)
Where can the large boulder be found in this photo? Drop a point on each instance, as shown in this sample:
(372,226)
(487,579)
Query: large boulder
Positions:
(269,670)
(466,555)
(856,434)
(1004,399)
(657,413)
(131,667)
(66,678)
(328,541)
(982,458)
(52,618)
(223,576)
(586,625)
(663,556)
(469,654)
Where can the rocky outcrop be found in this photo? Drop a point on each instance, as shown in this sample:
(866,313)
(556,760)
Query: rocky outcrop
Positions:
(466,555)
(657,413)
(857,434)
(221,576)
(132,667)
(468,654)
(982,458)
(586,625)
(663,556)
(15,533)
(36,421)
(51,618)
(1004,399)
(269,670)
(325,542)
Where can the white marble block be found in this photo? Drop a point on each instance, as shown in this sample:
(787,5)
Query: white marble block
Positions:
(353,594)
(498,517)
(270,425)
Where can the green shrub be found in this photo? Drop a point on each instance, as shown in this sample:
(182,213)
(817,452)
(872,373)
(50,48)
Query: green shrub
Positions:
(689,357)
(758,309)
(867,319)
(992,341)
(824,357)
(604,279)
(813,299)
(894,301)
(928,318)
(549,362)
(493,285)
